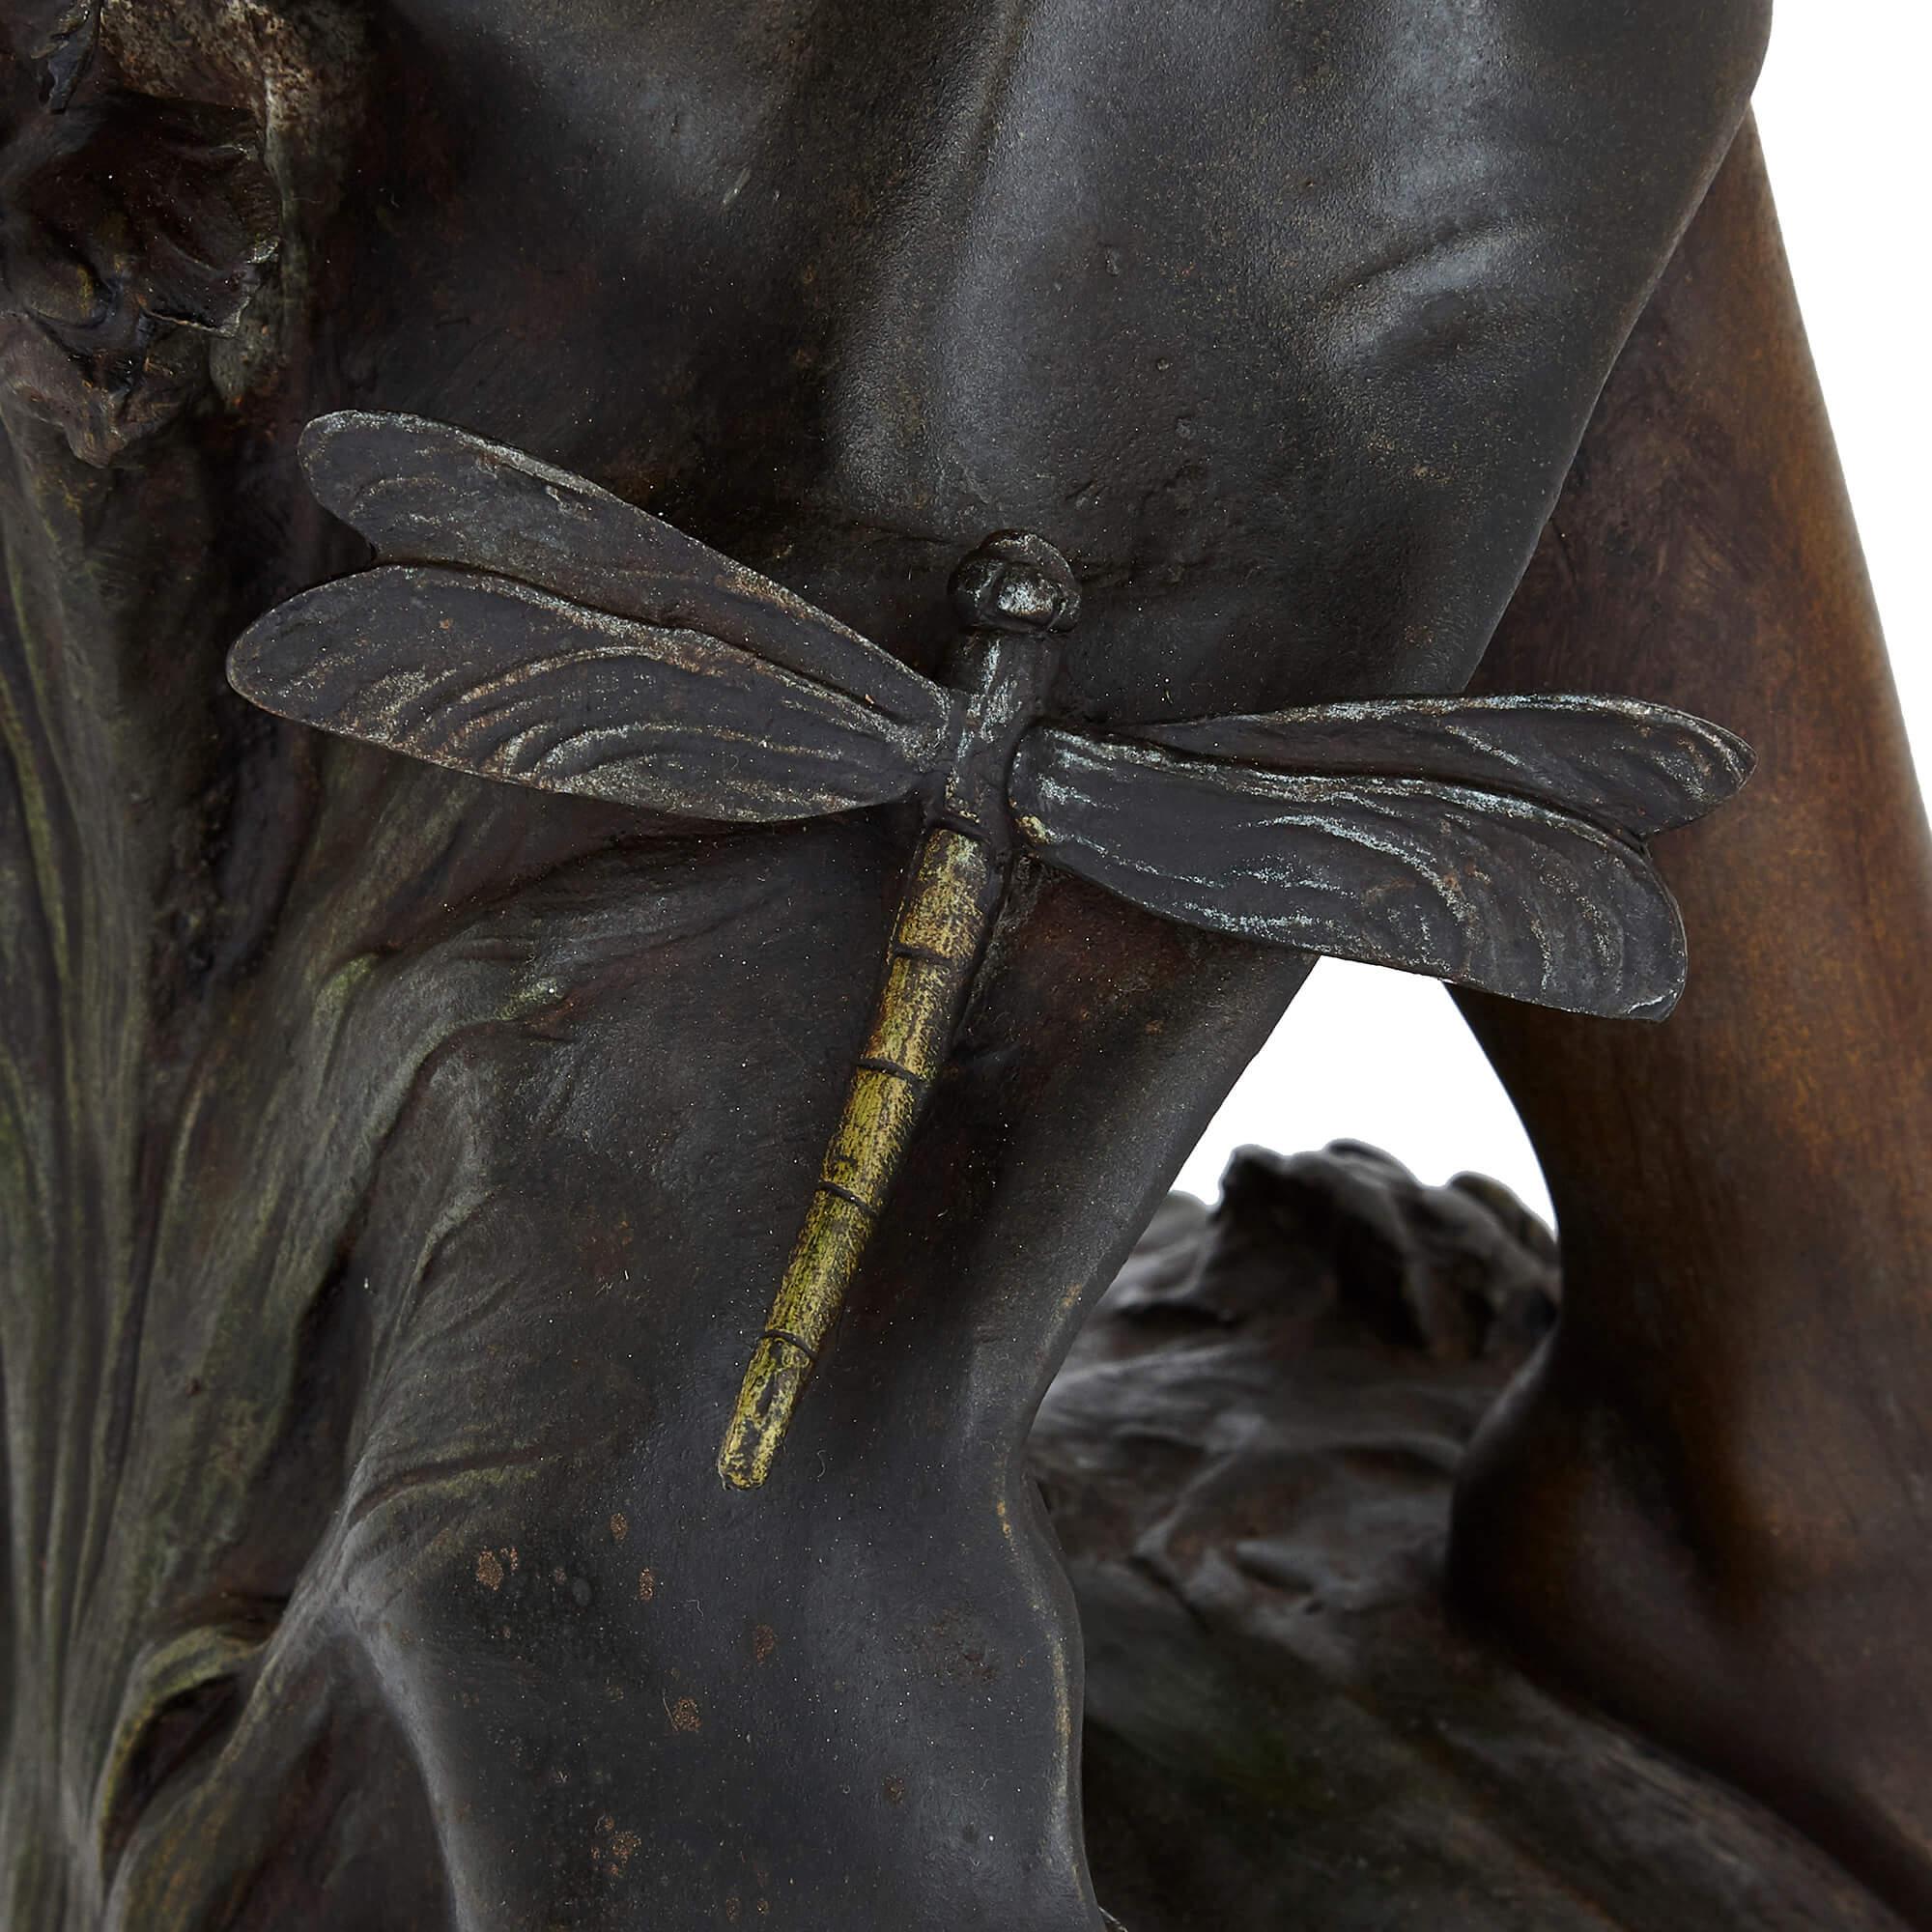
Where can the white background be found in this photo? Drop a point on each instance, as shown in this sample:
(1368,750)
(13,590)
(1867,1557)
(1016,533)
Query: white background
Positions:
(1382,1057)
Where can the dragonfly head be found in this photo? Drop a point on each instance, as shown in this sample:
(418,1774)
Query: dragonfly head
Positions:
(1016,581)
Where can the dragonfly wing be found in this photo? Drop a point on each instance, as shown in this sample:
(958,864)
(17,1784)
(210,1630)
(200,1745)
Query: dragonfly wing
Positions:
(424,493)
(1629,766)
(1471,886)
(509,682)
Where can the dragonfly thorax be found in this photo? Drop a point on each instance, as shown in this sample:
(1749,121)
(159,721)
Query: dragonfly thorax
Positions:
(1016,594)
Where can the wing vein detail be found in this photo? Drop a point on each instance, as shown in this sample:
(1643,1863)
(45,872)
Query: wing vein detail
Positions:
(509,682)
(1456,881)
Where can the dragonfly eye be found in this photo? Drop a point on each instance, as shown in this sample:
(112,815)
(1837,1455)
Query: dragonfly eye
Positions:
(1016,581)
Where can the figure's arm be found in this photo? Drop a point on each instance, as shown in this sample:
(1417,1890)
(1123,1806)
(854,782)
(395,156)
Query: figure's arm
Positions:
(1706,1509)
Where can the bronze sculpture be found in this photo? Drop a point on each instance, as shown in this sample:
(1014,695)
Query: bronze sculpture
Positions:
(363,1213)
(1495,842)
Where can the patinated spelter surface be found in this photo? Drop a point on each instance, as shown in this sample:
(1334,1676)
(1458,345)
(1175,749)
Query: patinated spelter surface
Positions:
(396,1166)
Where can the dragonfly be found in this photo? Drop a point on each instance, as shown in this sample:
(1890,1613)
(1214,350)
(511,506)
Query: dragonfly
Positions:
(523,625)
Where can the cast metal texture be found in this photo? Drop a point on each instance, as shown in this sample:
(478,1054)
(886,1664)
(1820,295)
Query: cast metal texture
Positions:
(1495,842)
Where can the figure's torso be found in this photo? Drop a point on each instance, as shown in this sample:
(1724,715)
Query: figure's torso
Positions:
(1282,321)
